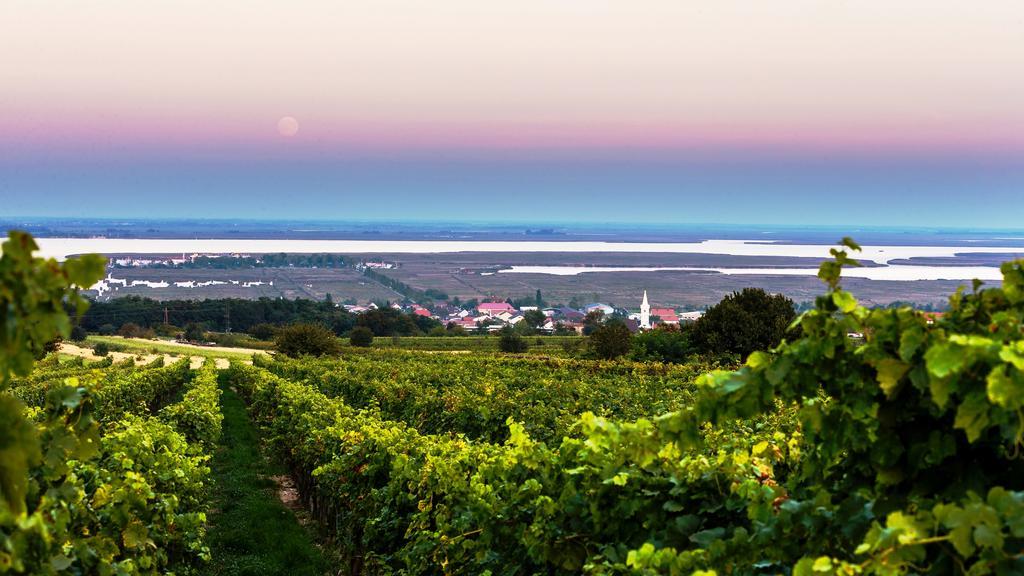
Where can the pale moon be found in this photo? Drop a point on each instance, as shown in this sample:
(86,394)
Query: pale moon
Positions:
(287,126)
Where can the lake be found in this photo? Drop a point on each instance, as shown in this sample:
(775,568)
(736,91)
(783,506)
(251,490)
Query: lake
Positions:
(880,255)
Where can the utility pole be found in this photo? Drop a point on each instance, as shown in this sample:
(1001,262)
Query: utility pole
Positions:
(166,317)
(227,318)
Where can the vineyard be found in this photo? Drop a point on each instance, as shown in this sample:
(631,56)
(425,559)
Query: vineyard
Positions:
(895,453)
(477,395)
(121,485)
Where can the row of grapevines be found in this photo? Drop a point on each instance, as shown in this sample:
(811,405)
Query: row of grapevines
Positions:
(53,371)
(198,416)
(122,378)
(115,489)
(475,395)
(400,500)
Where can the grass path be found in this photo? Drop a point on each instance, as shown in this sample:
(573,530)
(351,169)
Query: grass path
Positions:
(252,532)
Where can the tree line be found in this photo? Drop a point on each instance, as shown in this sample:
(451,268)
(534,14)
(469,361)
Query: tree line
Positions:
(249,316)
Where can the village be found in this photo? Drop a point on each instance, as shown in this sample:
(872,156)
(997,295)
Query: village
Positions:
(494,316)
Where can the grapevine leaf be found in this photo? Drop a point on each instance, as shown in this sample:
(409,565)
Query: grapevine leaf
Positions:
(844,301)
(961,539)
(1014,354)
(973,416)
(705,538)
(944,359)
(1004,389)
(986,536)
(890,372)
(135,534)
(910,343)
(19,449)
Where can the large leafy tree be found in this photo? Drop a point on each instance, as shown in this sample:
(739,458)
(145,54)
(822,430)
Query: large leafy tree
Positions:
(744,322)
(307,340)
(611,340)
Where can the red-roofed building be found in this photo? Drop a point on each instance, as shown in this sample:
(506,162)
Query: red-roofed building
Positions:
(422,312)
(494,308)
(666,315)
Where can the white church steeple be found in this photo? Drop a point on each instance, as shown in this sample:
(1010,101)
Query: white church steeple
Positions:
(645,312)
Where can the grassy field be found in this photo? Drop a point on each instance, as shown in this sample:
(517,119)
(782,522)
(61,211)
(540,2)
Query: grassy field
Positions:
(550,345)
(545,345)
(141,346)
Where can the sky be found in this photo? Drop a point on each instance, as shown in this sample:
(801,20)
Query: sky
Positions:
(827,112)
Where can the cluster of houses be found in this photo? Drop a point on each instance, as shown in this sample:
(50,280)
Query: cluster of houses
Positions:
(494,316)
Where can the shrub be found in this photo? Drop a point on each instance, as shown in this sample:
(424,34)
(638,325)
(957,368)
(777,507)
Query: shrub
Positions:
(101,349)
(361,337)
(263,331)
(307,340)
(107,330)
(572,347)
(78,334)
(611,340)
(129,330)
(512,342)
(167,330)
(664,344)
(194,333)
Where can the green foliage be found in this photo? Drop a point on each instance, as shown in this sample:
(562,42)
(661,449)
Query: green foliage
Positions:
(744,322)
(534,318)
(511,342)
(197,417)
(476,394)
(133,330)
(610,340)
(33,294)
(111,489)
(361,337)
(90,482)
(663,344)
(215,314)
(387,321)
(101,349)
(194,332)
(263,331)
(307,340)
